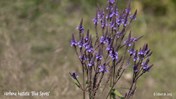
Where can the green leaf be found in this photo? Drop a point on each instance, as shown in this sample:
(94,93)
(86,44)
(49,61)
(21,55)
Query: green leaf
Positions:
(117,93)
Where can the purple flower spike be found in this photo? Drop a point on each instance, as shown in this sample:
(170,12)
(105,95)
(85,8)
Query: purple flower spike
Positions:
(141,53)
(73,41)
(103,40)
(111,14)
(95,20)
(131,51)
(109,48)
(74,75)
(88,46)
(80,43)
(145,65)
(89,49)
(102,68)
(110,51)
(91,63)
(99,57)
(83,58)
(130,41)
(87,36)
(133,17)
(80,27)
(103,23)
(111,1)
(113,55)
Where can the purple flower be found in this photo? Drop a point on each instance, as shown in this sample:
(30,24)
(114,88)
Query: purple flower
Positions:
(109,48)
(118,34)
(141,53)
(91,63)
(87,37)
(80,27)
(128,10)
(135,58)
(102,68)
(145,65)
(118,21)
(144,52)
(112,24)
(95,20)
(89,49)
(103,24)
(99,56)
(80,43)
(86,45)
(73,41)
(74,75)
(101,15)
(108,40)
(111,14)
(103,40)
(131,51)
(123,21)
(83,58)
(113,55)
(111,1)
(130,41)
(133,17)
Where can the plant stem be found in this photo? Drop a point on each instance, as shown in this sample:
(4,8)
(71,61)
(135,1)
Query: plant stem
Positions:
(83,81)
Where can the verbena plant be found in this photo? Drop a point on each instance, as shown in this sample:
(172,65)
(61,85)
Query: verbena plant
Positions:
(105,57)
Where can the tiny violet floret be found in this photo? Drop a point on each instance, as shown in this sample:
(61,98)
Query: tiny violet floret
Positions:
(111,1)
(80,43)
(74,75)
(80,27)
(145,65)
(131,51)
(103,40)
(130,41)
(89,49)
(102,68)
(73,41)
(95,20)
(141,53)
(98,56)
(135,58)
(91,63)
(82,58)
(113,55)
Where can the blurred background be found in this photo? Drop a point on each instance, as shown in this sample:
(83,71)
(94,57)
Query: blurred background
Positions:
(35,53)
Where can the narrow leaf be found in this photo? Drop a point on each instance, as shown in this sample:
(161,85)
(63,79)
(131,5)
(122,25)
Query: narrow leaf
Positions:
(117,93)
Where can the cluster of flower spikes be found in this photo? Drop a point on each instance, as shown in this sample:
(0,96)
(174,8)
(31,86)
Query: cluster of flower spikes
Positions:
(112,44)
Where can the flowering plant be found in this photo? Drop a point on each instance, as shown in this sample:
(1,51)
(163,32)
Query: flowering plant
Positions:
(105,57)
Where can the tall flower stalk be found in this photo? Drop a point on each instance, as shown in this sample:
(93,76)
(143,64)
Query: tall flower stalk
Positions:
(105,57)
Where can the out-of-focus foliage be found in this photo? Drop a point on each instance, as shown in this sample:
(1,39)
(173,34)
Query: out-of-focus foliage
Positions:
(35,53)
(156,7)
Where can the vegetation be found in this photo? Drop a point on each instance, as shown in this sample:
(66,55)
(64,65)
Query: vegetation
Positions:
(35,53)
